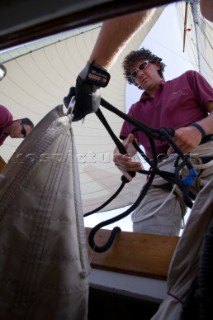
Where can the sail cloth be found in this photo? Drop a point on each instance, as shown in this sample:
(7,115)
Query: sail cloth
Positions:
(44,264)
(185,262)
(40,74)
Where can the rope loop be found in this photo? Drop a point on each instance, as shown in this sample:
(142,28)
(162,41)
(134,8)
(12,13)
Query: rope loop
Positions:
(165,134)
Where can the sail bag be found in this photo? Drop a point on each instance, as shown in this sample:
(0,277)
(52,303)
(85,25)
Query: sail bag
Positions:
(44,265)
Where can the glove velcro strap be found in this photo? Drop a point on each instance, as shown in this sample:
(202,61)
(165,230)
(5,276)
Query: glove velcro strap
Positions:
(97,76)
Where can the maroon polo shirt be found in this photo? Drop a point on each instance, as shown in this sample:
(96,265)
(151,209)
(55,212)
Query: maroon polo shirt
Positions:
(6,119)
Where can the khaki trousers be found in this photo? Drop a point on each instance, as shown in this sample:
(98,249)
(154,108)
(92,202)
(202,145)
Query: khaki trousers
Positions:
(161,211)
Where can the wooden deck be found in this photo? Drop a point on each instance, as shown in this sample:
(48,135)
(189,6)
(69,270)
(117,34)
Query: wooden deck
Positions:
(130,277)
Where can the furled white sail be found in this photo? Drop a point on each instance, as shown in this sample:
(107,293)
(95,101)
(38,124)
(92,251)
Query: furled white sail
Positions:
(39,76)
(44,263)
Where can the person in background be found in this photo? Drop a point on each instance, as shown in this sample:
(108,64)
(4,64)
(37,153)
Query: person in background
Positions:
(19,128)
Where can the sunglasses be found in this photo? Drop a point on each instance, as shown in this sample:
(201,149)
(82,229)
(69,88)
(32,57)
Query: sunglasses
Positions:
(23,130)
(141,67)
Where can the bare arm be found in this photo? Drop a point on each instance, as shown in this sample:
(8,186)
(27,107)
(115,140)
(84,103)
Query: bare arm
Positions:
(112,38)
(114,35)
(207,123)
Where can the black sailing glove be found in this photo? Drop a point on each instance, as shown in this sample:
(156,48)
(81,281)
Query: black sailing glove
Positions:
(87,91)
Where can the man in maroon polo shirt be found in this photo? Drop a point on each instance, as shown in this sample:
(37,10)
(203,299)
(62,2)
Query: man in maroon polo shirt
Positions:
(184,104)
(19,128)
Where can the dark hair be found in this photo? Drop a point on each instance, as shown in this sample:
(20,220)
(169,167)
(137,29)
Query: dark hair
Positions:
(141,54)
(28,122)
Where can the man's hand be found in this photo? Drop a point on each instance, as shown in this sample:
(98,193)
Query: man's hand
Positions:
(186,138)
(124,161)
(87,91)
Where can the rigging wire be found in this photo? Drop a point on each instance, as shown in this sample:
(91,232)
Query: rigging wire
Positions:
(198,26)
(201,26)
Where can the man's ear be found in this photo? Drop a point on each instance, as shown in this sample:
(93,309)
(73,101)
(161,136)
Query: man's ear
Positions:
(18,121)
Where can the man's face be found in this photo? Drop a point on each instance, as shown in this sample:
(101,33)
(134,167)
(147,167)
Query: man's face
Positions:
(19,130)
(145,74)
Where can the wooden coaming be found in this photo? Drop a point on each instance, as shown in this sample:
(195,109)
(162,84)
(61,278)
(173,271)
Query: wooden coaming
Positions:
(142,254)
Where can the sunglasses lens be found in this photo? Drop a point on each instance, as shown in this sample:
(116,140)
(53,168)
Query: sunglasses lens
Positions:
(143,65)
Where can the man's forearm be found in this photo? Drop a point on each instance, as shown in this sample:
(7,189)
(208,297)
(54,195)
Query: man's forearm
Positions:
(207,123)
(114,35)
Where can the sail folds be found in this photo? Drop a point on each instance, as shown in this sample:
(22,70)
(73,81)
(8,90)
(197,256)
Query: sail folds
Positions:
(39,76)
(44,263)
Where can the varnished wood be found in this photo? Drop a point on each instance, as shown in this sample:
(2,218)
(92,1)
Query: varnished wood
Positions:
(134,253)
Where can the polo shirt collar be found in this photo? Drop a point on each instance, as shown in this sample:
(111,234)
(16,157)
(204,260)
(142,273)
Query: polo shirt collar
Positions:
(145,96)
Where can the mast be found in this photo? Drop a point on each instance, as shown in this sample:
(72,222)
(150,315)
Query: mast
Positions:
(185,25)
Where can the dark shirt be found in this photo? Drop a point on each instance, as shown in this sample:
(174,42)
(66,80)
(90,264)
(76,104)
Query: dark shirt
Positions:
(6,119)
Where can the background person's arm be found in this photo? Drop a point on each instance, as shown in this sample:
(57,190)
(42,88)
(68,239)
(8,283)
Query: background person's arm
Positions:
(114,35)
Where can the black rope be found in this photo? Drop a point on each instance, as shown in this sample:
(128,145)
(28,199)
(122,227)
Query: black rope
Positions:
(117,142)
(115,230)
(155,133)
(152,133)
(106,202)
